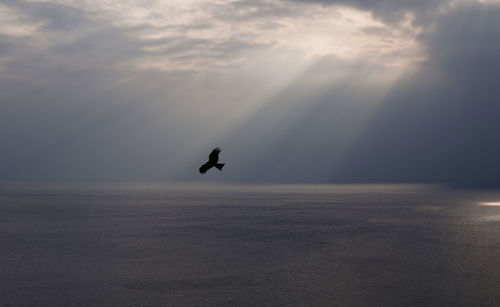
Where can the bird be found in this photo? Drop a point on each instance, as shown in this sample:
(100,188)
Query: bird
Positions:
(213,158)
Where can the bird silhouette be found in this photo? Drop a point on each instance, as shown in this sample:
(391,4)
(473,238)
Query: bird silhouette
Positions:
(213,158)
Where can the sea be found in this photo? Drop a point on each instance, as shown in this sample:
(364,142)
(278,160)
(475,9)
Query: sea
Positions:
(194,244)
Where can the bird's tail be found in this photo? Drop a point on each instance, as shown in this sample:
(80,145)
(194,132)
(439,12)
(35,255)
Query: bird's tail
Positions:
(219,166)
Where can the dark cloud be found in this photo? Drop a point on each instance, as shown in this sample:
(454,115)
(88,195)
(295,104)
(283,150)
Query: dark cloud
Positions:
(244,10)
(52,16)
(388,10)
(377,30)
(441,124)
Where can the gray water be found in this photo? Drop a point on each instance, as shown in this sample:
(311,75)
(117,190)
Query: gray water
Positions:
(197,245)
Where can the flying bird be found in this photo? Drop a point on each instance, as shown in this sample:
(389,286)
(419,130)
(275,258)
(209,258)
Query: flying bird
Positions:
(213,158)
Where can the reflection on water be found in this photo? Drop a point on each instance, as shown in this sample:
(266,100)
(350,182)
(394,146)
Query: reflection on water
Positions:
(491,218)
(219,245)
(492,203)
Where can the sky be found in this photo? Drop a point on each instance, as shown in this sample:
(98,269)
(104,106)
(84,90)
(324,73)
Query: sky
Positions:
(291,90)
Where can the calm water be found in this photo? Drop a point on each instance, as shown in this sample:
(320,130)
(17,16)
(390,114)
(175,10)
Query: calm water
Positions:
(193,245)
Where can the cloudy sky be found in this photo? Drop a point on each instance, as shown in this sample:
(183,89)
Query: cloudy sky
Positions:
(292,90)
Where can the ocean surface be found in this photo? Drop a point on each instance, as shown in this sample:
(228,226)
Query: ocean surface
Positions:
(288,245)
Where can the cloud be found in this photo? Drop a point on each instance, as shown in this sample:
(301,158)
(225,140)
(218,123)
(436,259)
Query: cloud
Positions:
(207,34)
(392,11)
(49,16)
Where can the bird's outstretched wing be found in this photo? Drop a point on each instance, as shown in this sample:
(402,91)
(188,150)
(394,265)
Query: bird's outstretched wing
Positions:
(214,155)
(205,167)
